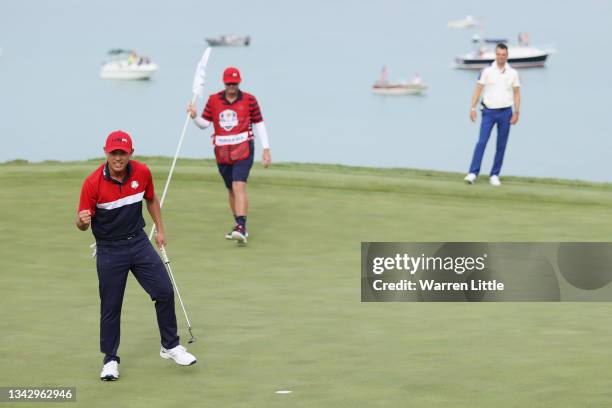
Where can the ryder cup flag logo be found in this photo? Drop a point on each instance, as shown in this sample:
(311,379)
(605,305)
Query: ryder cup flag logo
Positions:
(228,119)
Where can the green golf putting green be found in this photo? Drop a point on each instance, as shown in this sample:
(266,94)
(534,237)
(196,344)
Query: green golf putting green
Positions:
(284,312)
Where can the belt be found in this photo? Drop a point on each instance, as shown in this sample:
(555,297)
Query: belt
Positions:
(119,239)
(486,107)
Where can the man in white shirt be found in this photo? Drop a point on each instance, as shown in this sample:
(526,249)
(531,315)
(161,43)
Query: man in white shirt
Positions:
(502,92)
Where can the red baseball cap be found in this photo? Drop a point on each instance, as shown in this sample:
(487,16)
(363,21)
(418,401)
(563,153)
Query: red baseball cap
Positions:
(231,75)
(118,140)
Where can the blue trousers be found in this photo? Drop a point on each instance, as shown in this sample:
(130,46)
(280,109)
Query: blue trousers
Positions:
(114,260)
(491,117)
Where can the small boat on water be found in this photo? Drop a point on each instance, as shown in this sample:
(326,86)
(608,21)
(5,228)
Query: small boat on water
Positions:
(385,87)
(229,41)
(519,56)
(126,64)
(467,22)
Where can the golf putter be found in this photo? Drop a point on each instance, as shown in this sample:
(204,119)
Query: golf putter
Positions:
(178,293)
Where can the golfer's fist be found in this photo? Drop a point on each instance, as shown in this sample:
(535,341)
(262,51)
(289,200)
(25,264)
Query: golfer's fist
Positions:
(192,110)
(473,116)
(84,217)
(266,159)
(160,239)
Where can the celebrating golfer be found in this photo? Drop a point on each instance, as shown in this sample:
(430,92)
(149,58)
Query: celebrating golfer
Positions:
(235,115)
(501,88)
(111,201)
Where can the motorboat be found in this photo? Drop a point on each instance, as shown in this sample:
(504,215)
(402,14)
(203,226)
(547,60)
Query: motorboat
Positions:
(385,87)
(126,64)
(467,22)
(522,55)
(229,41)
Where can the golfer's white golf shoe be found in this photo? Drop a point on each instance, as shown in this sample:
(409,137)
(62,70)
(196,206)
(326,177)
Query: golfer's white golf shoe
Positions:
(494,180)
(179,354)
(110,371)
(470,178)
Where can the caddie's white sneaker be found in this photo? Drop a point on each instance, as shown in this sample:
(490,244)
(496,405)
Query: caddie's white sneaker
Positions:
(110,371)
(494,180)
(470,178)
(228,236)
(240,234)
(179,354)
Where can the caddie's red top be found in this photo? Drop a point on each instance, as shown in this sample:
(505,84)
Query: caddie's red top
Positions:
(232,118)
(116,207)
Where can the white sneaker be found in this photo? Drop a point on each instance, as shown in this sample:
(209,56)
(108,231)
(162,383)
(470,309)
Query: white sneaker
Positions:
(239,234)
(110,371)
(179,354)
(494,180)
(470,178)
(229,237)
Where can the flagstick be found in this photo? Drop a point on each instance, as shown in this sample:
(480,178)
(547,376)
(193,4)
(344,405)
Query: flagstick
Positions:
(198,84)
(178,149)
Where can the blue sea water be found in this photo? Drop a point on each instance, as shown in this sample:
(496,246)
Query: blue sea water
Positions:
(311,65)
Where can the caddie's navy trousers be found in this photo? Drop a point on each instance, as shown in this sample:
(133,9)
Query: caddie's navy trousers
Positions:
(491,117)
(114,260)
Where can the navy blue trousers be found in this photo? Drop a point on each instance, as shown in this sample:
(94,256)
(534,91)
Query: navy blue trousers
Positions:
(238,171)
(490,118)
(114,260)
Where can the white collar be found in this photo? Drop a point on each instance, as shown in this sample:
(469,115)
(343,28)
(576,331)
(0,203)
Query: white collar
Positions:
(506,67)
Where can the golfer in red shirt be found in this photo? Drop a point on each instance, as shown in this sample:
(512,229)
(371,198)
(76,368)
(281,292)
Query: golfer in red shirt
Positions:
(111,202)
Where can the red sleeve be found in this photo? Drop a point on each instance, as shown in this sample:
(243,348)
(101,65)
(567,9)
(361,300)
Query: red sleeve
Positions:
(254,110)
(89,198)
(149,188)
(207,113)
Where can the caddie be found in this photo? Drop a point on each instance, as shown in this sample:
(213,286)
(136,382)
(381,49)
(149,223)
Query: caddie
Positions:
(237,119)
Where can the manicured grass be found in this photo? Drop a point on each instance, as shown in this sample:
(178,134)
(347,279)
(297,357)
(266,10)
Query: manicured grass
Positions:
(285,312)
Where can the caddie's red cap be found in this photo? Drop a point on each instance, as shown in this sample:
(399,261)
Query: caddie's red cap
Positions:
(118,140)
(231,75)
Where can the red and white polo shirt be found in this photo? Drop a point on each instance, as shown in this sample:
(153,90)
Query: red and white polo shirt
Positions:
(116,207)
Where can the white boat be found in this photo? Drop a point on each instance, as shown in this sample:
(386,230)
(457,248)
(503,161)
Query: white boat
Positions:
(385,87)
(519,56)
(467,22)
(229,41)
(127,65)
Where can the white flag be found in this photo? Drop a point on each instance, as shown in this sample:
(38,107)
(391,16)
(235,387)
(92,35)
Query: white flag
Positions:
(200,74)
